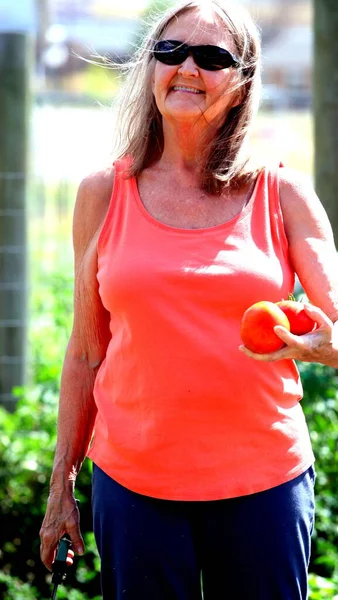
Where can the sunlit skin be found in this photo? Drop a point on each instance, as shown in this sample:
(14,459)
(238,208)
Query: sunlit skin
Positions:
(188,115)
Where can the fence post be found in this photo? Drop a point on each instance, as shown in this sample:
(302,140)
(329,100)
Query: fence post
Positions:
(15,66)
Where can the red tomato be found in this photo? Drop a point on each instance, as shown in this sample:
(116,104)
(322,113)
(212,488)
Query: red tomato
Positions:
(257,325)
(300,322)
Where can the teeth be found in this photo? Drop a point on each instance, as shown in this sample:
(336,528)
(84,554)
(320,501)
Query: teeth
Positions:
(183,88)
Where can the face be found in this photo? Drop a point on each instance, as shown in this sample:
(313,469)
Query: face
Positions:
(185,92)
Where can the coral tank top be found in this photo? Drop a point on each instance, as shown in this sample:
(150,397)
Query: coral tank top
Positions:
(182,413)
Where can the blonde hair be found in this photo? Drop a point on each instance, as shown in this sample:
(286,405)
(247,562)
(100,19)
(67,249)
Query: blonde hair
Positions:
(139,122)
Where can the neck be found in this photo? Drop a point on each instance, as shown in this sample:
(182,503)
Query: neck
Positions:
(183,145)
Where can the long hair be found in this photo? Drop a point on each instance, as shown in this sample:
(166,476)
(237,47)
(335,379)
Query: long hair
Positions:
(224,161)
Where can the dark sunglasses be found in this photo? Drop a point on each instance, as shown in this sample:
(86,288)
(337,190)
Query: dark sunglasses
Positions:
(210,58)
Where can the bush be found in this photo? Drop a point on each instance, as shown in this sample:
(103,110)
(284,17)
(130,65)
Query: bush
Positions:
(320,404)
(27,442)
(321,588)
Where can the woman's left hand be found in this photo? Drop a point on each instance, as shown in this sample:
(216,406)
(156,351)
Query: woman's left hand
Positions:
(320,345)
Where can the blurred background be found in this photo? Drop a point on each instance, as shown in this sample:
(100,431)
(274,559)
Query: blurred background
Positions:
(56,126)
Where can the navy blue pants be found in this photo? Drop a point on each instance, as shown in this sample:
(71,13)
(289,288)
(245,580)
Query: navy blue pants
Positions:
(254,547)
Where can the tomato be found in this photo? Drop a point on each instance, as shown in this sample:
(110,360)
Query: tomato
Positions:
(300,322)
(257,325)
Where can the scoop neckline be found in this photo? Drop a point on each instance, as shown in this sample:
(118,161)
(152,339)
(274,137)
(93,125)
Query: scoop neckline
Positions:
(171,228)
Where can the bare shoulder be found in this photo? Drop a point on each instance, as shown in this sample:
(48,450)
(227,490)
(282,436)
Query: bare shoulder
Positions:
(295,186)
(302,209)
(92,202)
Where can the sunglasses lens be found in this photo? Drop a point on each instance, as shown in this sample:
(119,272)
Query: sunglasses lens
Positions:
(213,58)
(170,53)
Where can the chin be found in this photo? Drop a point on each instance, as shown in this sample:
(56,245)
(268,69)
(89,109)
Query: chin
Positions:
(183,113)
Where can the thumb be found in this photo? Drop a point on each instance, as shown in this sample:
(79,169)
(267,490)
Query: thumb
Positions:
(317,315)
(76,538)
(285,335)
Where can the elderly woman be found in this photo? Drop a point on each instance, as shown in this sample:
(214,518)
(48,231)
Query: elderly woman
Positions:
(203,469)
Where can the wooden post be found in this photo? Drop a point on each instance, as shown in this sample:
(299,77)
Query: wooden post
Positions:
(325,97)
(15,67)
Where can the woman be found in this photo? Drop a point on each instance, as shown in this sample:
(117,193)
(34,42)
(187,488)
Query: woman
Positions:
(203,467)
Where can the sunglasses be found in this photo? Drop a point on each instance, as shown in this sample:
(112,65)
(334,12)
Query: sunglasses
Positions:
(209,58)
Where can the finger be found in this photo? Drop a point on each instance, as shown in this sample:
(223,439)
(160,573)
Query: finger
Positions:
(47,553)
(284,353)
(76,538)
(70,556)
(317,315)
(255,355)
(286,336)
(246,351)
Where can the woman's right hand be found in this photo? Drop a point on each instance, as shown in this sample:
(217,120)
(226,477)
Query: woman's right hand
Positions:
(62,516)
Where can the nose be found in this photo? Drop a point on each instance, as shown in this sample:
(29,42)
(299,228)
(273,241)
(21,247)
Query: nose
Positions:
(189,67)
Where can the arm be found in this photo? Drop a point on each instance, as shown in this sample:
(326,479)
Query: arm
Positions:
(314,258)
(86,350)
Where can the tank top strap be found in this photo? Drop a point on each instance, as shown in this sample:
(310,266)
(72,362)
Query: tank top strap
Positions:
(121,166)
(120,186)
(275,209)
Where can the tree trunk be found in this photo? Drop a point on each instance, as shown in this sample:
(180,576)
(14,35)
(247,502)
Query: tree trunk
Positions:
(325,95)
(15,60)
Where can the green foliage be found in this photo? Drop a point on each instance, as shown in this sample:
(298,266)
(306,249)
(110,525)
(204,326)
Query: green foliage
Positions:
(15,589)
(321,588)
(320,404)
(50,328)
(103,80)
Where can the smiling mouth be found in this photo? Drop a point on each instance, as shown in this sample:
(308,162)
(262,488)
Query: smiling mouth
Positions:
(184,88)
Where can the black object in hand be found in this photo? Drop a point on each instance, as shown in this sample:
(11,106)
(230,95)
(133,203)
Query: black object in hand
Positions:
(60,565)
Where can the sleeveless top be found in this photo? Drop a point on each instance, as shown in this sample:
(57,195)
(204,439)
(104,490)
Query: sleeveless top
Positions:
(182,413)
